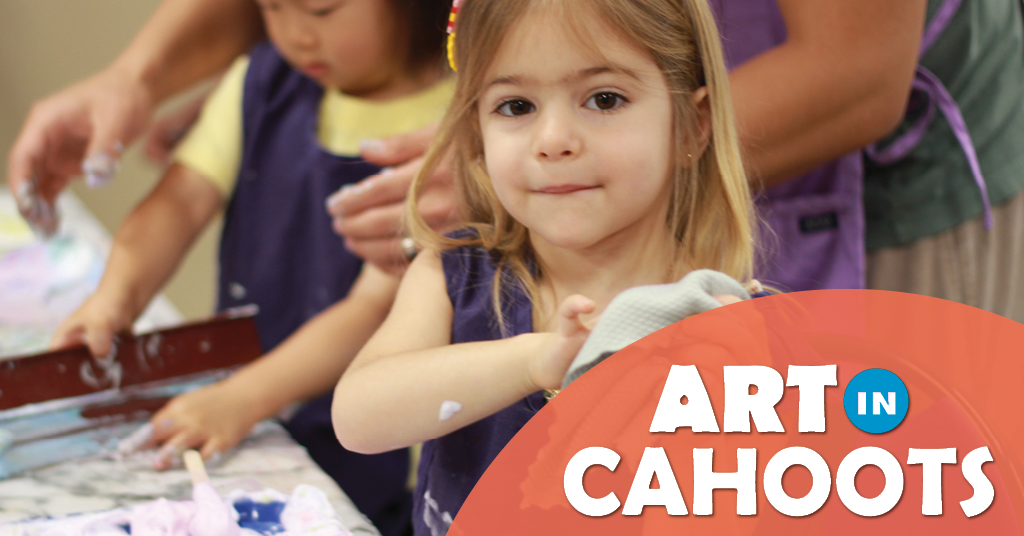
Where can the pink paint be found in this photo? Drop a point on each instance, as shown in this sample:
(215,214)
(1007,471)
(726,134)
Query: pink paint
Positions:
(161,518)
(212,516)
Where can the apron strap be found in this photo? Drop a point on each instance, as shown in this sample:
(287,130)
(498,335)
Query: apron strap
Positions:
(938,24)
(927,86)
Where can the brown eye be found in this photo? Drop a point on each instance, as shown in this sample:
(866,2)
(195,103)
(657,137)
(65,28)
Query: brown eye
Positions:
(605,101)
(515,107)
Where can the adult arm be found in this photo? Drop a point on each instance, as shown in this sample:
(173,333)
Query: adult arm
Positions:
(184,42)
(839,82)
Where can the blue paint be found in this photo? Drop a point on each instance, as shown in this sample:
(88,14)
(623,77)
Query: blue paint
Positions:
(31,440)
(264,518)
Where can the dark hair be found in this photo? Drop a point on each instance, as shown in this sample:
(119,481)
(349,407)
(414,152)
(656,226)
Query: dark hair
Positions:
(425,22)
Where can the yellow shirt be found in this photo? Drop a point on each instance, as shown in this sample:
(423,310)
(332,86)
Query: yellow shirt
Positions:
(213,148)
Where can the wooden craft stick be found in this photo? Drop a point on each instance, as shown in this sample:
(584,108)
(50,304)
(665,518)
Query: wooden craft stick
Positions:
(194,464)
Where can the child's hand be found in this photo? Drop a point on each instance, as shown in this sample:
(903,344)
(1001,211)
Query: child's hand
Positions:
(94,324)
(548,367)
(726,299)
(212,419)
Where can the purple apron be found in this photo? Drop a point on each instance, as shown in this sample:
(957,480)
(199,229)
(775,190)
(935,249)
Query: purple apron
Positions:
(451,465)
(279,252)
(815,221)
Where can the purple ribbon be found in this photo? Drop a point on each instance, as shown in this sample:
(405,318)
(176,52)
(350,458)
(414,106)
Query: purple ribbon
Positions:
(928,86)
(938,24)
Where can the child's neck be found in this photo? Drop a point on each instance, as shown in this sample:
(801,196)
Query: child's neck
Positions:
(401,85)
(602,271)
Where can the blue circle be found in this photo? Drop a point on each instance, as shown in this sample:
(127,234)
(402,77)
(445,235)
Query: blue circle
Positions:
(876,401)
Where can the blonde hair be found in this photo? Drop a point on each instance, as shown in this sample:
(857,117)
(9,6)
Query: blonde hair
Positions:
(710,213)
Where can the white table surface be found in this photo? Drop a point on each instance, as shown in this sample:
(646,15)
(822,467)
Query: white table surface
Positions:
(268,458)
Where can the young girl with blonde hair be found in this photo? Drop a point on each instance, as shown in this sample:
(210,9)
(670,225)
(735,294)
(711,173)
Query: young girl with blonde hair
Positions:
(595,151)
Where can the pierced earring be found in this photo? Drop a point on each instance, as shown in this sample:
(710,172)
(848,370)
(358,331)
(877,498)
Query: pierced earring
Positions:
(690,156)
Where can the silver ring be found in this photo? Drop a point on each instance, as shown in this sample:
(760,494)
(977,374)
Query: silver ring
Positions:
(409,248)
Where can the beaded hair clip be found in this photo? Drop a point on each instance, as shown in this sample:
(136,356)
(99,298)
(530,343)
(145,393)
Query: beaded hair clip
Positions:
(451,33)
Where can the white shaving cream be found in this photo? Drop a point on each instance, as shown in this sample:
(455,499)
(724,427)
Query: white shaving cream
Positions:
(449,408)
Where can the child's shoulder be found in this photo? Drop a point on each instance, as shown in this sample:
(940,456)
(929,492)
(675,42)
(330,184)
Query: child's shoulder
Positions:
(469,260)
(470,273)
(470,268)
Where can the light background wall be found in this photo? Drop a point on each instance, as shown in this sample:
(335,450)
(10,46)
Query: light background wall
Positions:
(46,45)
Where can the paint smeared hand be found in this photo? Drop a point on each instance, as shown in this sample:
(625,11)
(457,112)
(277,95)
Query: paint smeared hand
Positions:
(548,367)
(80,130)
(212,420)
(94,324)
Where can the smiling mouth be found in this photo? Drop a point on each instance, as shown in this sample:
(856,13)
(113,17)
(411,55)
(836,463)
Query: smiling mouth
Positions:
(564,189)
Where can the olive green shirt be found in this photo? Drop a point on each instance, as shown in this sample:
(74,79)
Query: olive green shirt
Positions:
(980,60)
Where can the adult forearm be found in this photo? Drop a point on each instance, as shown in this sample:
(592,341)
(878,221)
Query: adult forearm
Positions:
(390,403)
(839,82)
(187,40)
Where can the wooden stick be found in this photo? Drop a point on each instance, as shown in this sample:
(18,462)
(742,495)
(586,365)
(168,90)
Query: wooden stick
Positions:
(194,464)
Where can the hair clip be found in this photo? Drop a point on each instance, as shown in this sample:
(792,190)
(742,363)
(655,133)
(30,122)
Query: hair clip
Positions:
(451,33)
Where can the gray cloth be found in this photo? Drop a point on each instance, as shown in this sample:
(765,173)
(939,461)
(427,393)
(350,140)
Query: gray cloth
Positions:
(640,311)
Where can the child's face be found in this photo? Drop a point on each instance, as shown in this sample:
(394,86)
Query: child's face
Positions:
(344,44)
(578,146)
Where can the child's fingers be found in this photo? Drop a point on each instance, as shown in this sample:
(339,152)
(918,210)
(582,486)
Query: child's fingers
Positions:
(99,338)
(569,312)
(68,334)
(163,429)
(171,452)
(726,299)
(214,448)
(576,305)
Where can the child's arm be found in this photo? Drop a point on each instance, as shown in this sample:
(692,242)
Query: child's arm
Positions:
(146,250)
(305,365)
(392,394)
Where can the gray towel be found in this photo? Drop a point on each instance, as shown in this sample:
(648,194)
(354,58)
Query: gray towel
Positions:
(640,311)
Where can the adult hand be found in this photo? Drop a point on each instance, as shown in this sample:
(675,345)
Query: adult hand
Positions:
(369,214)
(81,129)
